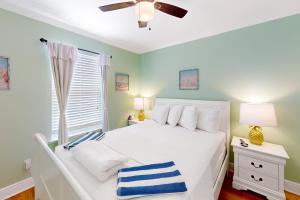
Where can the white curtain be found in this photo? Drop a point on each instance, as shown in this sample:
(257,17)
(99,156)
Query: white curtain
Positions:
(105,63)
(62,58)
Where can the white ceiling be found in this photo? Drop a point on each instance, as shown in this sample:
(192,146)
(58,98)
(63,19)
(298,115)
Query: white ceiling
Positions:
(119,28)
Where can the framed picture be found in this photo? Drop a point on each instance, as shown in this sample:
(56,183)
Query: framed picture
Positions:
(189,79)
(4,73)
(122,81)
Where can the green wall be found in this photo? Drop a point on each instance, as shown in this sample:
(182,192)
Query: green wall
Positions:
(258,63)
(26,108)
(255,64)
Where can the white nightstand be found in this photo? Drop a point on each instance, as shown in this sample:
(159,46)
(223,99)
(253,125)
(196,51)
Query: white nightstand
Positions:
(134,121)
(259,168)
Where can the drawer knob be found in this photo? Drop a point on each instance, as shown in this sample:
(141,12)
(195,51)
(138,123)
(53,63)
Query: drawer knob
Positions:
(259,166)
(257,180)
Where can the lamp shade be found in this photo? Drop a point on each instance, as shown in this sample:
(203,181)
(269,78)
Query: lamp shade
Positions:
(260,114)
(139,103)
(144,10)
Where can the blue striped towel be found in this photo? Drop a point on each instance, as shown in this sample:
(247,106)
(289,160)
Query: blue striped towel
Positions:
(93,135)
(159,178)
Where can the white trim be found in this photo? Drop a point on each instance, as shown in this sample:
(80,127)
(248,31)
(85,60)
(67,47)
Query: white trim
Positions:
(289,186)
(16,188)
(54,21)
(231,167)
(292,187)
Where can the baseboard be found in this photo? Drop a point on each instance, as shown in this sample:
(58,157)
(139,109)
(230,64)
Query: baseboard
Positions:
(292,187)
(16,188)
(289,186)
(231,167)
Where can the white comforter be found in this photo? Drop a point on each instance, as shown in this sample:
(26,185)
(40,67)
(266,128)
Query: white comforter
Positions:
(150,142)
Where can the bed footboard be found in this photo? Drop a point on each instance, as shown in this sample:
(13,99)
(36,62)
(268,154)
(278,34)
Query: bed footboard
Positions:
(52,179)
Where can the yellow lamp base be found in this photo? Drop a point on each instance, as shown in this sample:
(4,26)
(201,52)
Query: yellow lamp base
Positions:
(141,115)
(255,135)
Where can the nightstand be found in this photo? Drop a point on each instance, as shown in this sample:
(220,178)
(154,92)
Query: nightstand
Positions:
(259,168)
(134,121)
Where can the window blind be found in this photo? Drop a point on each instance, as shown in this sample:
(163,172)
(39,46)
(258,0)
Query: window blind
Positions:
(84,110)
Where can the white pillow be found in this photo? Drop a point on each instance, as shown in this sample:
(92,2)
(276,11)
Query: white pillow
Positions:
(208,120)
(174,115)
(160,113)
(189,118)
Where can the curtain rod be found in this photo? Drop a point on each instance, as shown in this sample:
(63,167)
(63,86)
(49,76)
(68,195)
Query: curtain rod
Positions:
(43,40)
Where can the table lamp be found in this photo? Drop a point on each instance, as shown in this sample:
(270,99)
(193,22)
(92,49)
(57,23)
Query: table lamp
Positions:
(139,104)
(257,115)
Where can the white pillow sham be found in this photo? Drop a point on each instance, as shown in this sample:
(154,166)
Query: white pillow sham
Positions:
(188,118)
(208,120)
(174,115)
(160,113)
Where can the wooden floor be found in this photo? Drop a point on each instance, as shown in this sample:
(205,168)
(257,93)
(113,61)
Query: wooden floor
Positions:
(26,195)
(227,193)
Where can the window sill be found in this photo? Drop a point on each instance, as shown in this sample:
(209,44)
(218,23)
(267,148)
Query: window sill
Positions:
(72,134)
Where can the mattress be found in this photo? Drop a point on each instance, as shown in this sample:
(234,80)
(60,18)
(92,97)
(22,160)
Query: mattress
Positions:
(198,154)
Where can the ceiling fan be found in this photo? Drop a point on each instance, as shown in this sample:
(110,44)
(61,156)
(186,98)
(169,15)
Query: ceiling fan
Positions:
(145,9)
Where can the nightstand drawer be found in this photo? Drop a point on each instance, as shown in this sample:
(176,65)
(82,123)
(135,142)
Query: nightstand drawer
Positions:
(259,179)
(259,166)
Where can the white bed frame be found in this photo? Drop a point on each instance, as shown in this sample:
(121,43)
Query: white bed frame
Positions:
(53,181)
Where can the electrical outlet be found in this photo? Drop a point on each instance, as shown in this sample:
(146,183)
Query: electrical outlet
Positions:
(27,164)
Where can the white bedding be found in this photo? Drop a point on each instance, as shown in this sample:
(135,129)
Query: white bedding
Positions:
(198,155)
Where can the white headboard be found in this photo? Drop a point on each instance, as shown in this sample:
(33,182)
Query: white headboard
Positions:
(223,106)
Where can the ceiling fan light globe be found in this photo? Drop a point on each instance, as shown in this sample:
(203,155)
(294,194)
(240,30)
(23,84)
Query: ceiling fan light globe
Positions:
(145,11)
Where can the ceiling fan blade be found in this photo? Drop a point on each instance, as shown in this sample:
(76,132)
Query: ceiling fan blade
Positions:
(137,1)
(142,24)
(116,6)
(170,9)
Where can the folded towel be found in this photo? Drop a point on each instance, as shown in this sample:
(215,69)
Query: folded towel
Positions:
(93,135)
(160,178)
(100,160)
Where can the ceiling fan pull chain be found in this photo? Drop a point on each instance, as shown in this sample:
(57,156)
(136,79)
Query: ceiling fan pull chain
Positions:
(139,12)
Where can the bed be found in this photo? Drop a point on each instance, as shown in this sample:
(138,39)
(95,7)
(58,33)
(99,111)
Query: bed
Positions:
(202,157)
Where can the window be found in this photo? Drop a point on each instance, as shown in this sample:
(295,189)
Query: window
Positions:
(84,110)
